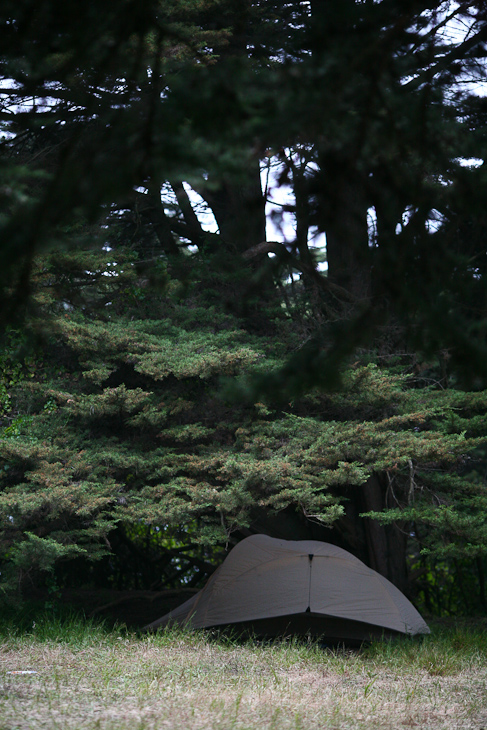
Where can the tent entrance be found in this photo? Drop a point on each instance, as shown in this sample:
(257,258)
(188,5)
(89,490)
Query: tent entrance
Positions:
(332,629)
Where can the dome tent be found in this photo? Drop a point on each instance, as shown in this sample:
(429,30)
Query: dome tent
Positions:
(271,586)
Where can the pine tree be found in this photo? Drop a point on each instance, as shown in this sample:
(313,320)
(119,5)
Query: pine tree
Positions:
(128,426)
(375,95)
(111,118)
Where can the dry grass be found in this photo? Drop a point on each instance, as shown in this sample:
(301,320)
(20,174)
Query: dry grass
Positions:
(92,679)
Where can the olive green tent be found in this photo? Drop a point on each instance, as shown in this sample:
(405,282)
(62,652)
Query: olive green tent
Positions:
(271,587)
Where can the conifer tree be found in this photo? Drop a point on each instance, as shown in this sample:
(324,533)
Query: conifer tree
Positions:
(122,423)
(374,403)
(376,94)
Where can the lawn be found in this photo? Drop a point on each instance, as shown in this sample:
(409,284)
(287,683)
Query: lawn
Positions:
(91,677)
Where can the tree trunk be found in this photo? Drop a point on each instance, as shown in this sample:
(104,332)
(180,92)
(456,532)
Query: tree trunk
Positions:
(343,213)
(340,186)
(382,547)
(386,544)
(239,210)
(151,207)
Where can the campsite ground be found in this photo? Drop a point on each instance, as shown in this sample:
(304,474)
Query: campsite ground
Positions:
(91,677)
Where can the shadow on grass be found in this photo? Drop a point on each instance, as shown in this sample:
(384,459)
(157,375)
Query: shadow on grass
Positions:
(62,624)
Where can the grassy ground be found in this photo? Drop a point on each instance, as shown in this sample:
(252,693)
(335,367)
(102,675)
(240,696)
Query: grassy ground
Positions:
(88,677)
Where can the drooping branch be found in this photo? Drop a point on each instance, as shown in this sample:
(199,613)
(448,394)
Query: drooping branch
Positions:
(194,232)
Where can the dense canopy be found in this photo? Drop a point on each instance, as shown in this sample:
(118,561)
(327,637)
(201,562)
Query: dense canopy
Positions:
(243,287)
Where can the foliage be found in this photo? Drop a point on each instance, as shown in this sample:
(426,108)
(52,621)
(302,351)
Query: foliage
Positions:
(204,381)
(130,438)
(365,110)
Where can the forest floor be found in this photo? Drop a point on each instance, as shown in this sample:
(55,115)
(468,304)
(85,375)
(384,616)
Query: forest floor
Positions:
(85,676)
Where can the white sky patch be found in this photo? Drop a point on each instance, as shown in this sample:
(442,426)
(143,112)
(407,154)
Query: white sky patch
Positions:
(372,227)
(470,161)
(110,273)
(434,222)
(201,208)
(405,218)
(281,223)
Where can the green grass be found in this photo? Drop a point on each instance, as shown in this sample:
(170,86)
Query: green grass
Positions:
(91,677)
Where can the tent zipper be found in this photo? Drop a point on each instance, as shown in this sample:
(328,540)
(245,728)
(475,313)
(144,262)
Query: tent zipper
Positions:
(310,556)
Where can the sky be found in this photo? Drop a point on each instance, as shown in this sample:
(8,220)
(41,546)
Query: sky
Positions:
(280,224)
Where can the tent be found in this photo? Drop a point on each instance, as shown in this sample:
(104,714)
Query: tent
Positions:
(272,587)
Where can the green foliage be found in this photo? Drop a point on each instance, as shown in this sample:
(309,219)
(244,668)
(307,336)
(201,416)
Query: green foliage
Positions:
(128,426)
(17,365)
(29,556)
(364,108)
(186,377)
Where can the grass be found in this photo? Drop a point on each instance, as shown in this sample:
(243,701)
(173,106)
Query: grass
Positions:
(91,677)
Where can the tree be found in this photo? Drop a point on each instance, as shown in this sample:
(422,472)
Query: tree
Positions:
(124,426)
(360,107)
(394,130)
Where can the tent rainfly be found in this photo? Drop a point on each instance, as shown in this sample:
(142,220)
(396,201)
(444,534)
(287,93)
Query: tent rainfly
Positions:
(273,587)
